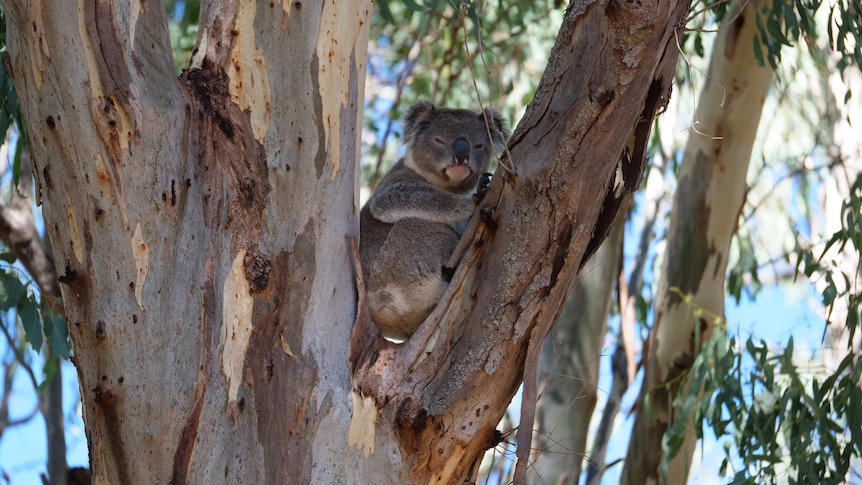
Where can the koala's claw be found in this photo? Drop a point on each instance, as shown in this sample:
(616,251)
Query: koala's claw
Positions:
(484,185)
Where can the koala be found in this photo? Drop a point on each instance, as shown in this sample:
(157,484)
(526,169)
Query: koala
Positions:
(414,219)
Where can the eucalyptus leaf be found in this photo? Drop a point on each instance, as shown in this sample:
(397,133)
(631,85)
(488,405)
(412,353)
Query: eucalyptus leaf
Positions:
(57,335)
(50,370)
(28,312)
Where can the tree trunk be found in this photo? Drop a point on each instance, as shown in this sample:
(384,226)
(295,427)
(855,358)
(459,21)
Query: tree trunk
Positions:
(570,367)
(191,218)
(450,383)
(623,362)
(204,229)
(706,207)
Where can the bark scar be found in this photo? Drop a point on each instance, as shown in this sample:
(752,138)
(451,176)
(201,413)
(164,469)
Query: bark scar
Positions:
(186,445)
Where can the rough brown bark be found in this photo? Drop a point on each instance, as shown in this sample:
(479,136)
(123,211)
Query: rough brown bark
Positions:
(705,213)
(204,227)
(609,71)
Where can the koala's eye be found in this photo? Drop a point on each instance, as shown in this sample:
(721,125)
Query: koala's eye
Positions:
(439,141)
(479,146)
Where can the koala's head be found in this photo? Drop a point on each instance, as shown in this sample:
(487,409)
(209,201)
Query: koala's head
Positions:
(450,148)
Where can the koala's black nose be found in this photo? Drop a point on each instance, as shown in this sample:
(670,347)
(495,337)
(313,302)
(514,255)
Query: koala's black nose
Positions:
(461,151)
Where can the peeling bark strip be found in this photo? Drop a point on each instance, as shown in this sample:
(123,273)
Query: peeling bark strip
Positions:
(236,324)
(610,71)
(141,255)
(188,437)
(362,423)
(249,79)
(112,102)
(336,66)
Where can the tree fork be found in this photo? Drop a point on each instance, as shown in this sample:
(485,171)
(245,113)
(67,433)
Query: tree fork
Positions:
(609,72)
(205,236)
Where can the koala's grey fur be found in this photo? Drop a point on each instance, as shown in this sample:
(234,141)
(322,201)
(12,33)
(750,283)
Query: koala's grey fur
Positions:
(412,222)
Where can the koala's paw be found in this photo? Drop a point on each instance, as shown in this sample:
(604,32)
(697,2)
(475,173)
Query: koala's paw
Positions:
(482,189)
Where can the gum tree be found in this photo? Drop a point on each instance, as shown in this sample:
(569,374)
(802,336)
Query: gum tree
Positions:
(204,230)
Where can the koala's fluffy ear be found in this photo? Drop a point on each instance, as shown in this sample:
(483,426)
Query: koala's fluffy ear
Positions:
(418,114)
(501,134)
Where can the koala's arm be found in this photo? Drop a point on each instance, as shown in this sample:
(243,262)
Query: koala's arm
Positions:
(400,200)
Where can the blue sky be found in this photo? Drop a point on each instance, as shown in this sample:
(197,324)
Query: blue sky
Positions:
(22,449)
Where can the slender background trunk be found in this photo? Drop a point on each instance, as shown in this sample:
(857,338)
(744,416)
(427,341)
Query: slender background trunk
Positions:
(19,233)
(705,214)
(570,368)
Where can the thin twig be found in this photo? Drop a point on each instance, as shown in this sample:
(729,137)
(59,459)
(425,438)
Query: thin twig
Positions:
(19,356)
(506,154)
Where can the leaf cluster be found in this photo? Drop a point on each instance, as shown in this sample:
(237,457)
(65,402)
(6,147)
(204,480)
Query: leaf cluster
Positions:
(778,422)
(461,54)
(843,289)
(41,324)
(785,22)
(10,110)
(787,424)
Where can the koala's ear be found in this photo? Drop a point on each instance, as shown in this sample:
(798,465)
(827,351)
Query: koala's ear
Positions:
(497,121)
(417,115)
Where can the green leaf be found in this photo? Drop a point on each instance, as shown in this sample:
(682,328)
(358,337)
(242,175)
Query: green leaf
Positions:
(698,45)
(385,13)
(758,53)
(830,292)
(57,335)
(28,312)
(16,162)
(734,285)
(775,31)
(8,257)
(11,291)
(50,370)
(415,6)
(854,417)
(647,404)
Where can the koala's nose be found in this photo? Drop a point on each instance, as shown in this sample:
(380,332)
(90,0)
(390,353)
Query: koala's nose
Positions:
(461,151)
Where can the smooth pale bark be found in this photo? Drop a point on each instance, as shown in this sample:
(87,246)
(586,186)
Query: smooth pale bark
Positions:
(204,229)
(202,226)
(570,368)
(705,214)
